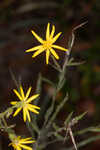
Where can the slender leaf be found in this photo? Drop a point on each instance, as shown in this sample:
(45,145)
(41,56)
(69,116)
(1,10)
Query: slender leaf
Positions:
(48,81)
(68,118)
(80,116)
(59,107)
(75,63)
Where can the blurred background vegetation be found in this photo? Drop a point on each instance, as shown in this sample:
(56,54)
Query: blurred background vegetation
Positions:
(17,18)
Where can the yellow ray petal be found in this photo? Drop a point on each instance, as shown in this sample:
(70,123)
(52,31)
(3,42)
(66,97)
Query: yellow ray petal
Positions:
(59,47)
(28,115)
(37,37)
(28,92)
(22,92)
(38,52)
(26,139)
(47,56)
(25,147)
(54,53)
(19,96)
(52,32)
(56,37)
(26,142)
(32,98)
(13,102)
(33,110)
(18,148)
(17,111)
(48,31)
(33,49)
(33,106)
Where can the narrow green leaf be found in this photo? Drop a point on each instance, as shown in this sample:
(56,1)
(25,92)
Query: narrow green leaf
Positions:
(57,66)
(75,63)
(48,81)
(54,67)
(44,106)
(93,129)
(71,41)
(57,128)
(67,120)
(70,45)
(49,112)
(59,107)
(80,116)
(61,83)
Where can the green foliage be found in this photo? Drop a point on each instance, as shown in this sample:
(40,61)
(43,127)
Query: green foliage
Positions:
(50,109)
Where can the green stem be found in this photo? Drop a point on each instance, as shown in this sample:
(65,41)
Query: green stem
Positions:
(4,121)
(7,111)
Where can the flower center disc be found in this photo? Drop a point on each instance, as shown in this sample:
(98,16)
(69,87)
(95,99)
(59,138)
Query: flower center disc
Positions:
(47,44)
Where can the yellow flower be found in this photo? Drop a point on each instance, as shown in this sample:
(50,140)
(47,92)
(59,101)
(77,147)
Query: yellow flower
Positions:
(47,45)
(20,144)
(25,103)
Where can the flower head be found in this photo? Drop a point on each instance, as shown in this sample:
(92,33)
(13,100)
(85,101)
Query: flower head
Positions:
(19,144)
(25,103)
(47,45)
